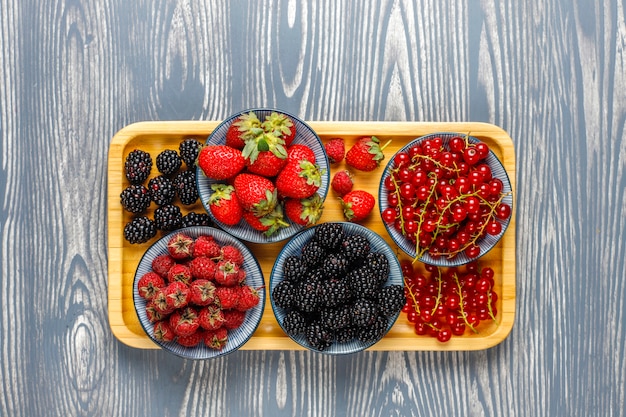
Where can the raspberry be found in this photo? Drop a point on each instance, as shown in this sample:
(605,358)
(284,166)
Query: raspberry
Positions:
(179,272)
(184,321)
(211,317)
(206,246)
(233,318)
(248,298)
(335,149)
(227,297)
(203,268)
(191,340)
(148,284)
(180,246)
(140,230)
(137,166)
(342,182)
(177,294)
(216,339)
(162,264)
(232,254)
(168,162)
(201,292)
(163,332)
(135,198)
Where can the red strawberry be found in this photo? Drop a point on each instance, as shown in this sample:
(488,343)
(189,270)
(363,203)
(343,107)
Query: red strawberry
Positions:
(233,318)
(306,211)
(153,313)
(227,273)
(206,246)
(357,205)
(241,128)
(159,302)
(180,246)
(184,321)
(299,179)
(335,149)
(231,253)
(366,154)
(266,164)
(211,317)
(201,292)
(281,125)
(193,339)
(262,142)
(268,224)
(342,182)
(224,204)
(203,268)
(178,295)
(179,273)
(227,297)
(163,332)
(148,284)
(255,193)
(162,263)
(220,162)
(216,339)
(300,152)
(248,298)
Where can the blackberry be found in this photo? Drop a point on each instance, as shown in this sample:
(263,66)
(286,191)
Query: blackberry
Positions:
(375,331)
(313,253)
(189,150)
(139,230)
(168,162)
(336,292)
(196,219)
(168,218)
(137,166)
(379,266)
(318,336)
(161,190)
(391,299)
(294,269)
(336,318)
(363,283)
(334,265)
(294,323)
(355,247)
(185,184)
(364,312)
(329,235)
(346,334)
(308,295)
(135,198)
(284,294)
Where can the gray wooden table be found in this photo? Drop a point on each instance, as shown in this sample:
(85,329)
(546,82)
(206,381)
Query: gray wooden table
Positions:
(551,73)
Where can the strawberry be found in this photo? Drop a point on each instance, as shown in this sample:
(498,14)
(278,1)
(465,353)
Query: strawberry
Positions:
(357,205)
(299,179)
(224,204)
(242,128)
(202,268)
(206,246)
(201,292)
(255,193)
(148,284)
(153,313)
(216,339)
(366,154)
(306,211)
(264,141)
(227,297)
(335,149)
(281,125)
(342,182)
(220,162)
(162,263)
(178,295)
(180,246)
(300,152)
(184,321)
(266,164)
(193,339)
(268,224)
(179,273)
(163,332)
(231,253)
(233,318)
(248,298)
(227,273)
(211,317)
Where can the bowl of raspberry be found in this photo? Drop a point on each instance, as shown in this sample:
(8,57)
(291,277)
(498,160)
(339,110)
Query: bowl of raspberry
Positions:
(445,199)
(336,288)
(263,175)
(199,293)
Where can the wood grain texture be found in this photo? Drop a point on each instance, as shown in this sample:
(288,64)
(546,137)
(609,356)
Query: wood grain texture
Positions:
(552,74)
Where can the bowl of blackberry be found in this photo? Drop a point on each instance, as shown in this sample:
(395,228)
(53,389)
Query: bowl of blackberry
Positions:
(336,288)
(445,199)
(263,175)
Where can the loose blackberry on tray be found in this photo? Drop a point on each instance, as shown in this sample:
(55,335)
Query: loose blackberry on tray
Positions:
(196,219)
(168,217)
(137,166)
(168,162)
(135,198)
(185,185)
(139,230)
(189,149)
(162,190)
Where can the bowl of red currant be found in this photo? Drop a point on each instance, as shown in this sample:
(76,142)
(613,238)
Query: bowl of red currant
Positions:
(445,199)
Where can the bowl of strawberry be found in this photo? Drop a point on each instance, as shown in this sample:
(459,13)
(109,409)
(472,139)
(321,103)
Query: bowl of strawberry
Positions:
(445,199)
(199,293)
(263,175)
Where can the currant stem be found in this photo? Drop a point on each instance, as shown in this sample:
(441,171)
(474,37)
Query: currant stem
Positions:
(461,299)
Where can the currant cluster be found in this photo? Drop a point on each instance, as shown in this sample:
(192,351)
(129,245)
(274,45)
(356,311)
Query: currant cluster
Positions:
(444,198)
(442,303)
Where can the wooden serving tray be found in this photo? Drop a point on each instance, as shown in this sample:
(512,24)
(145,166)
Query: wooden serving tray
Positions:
(154,137)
